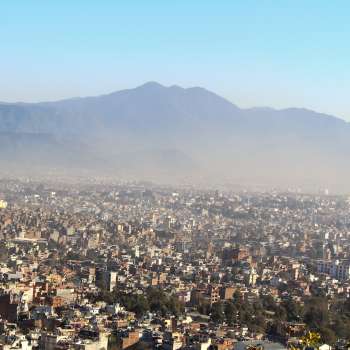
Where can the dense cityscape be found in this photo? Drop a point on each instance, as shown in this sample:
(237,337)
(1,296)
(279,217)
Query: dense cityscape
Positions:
(174,175)
(140,266)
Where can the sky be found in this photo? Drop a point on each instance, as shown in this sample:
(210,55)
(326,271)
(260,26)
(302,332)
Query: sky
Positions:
(291,53)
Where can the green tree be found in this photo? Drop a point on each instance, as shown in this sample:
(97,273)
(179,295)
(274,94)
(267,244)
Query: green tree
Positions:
(328,336)
(230,313)
(293,310)
(316,315)
(217,313)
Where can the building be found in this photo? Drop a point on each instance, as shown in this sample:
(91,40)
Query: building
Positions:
(106,279)
(337,269)
(9,307)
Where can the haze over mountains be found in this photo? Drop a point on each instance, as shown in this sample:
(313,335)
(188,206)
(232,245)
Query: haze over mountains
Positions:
(170,134)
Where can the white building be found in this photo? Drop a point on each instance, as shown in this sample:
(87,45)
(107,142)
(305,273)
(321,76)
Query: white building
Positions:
(336,269)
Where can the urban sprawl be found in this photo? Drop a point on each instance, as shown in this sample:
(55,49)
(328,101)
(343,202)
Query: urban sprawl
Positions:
(140,266)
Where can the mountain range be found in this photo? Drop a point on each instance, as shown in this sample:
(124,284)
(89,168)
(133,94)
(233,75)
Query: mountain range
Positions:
(173,134)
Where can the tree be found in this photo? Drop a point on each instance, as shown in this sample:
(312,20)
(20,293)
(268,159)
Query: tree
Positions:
(217,313)
(317,314)
(328,336)
(203,307)
(281,313)
(230,313)
(341,327)
(293,310)
(269,302)
(311,340)
(237,297)
(175,306)
(161,302)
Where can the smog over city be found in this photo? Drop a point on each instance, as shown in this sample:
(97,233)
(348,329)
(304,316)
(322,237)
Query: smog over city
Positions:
(174,175)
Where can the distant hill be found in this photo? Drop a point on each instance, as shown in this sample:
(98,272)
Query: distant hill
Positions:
(171,133)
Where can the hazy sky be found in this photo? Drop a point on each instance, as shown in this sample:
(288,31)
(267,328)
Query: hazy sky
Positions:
(255,53)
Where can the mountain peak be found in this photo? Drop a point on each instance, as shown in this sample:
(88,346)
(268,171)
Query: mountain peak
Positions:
(152,85)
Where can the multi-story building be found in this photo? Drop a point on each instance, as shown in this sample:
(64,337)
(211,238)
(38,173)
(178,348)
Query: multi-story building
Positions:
(336,269)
